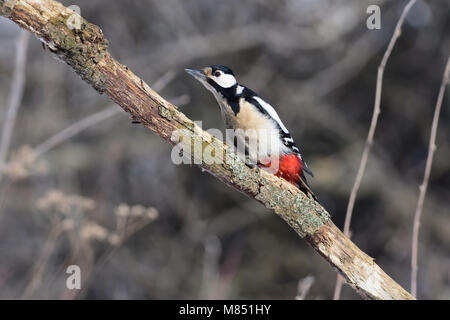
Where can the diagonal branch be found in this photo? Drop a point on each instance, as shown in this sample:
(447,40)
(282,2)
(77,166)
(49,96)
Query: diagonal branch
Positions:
(85,50)
(423,187)
(371,134)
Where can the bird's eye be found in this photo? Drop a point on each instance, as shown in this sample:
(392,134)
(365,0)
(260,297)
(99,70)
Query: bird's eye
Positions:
(217,73)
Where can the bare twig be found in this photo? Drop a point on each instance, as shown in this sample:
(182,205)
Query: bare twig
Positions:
(74,129)
(86,52)
(15,98)
(164,80)
(94,119)
(303,287)
(210,275)
(39,269)
(373,126)
(423,187)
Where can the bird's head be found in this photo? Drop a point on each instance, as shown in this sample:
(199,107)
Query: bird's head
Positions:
(215,77)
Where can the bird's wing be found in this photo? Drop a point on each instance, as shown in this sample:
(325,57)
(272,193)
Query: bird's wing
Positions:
(289,142)
(286,137)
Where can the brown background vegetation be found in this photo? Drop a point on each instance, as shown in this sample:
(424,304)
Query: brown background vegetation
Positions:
(316,62)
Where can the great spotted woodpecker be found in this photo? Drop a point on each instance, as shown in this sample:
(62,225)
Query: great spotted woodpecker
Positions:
(243,110)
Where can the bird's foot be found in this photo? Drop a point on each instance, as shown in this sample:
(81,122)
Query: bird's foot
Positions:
(253,166)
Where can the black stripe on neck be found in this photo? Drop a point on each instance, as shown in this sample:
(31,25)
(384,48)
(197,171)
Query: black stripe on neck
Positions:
(229,94)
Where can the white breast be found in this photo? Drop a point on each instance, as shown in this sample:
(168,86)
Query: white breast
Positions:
(256,132)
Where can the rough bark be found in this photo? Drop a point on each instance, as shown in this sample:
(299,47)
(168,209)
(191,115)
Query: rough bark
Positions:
(85,50)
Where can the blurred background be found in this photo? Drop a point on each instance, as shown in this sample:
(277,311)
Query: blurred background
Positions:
(83,185)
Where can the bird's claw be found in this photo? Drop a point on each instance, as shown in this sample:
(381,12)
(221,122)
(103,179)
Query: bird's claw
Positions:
(253,166)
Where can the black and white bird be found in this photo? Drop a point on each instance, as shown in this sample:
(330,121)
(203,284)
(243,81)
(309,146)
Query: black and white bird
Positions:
(255,120)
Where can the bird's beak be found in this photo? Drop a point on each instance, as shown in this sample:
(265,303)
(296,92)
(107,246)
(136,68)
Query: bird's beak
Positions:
(197,74)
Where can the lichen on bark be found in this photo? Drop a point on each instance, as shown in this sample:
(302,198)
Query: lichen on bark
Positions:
(6,7)
(80,48)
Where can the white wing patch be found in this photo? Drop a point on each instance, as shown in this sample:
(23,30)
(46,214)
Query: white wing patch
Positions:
(271,111)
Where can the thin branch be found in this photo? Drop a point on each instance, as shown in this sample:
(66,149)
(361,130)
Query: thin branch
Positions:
(423,187)
(93,119)
(82,125)
(15,98)
(369,141)
(74,129)
(210,276)
(86,52)
(41,264)
(303,287)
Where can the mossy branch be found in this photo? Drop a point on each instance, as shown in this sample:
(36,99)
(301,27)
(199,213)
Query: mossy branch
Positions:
(85,50)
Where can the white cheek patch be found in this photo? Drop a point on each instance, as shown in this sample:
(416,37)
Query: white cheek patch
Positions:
(225,80)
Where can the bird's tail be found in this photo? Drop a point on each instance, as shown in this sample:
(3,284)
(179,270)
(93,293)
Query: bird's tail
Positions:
(302,184)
